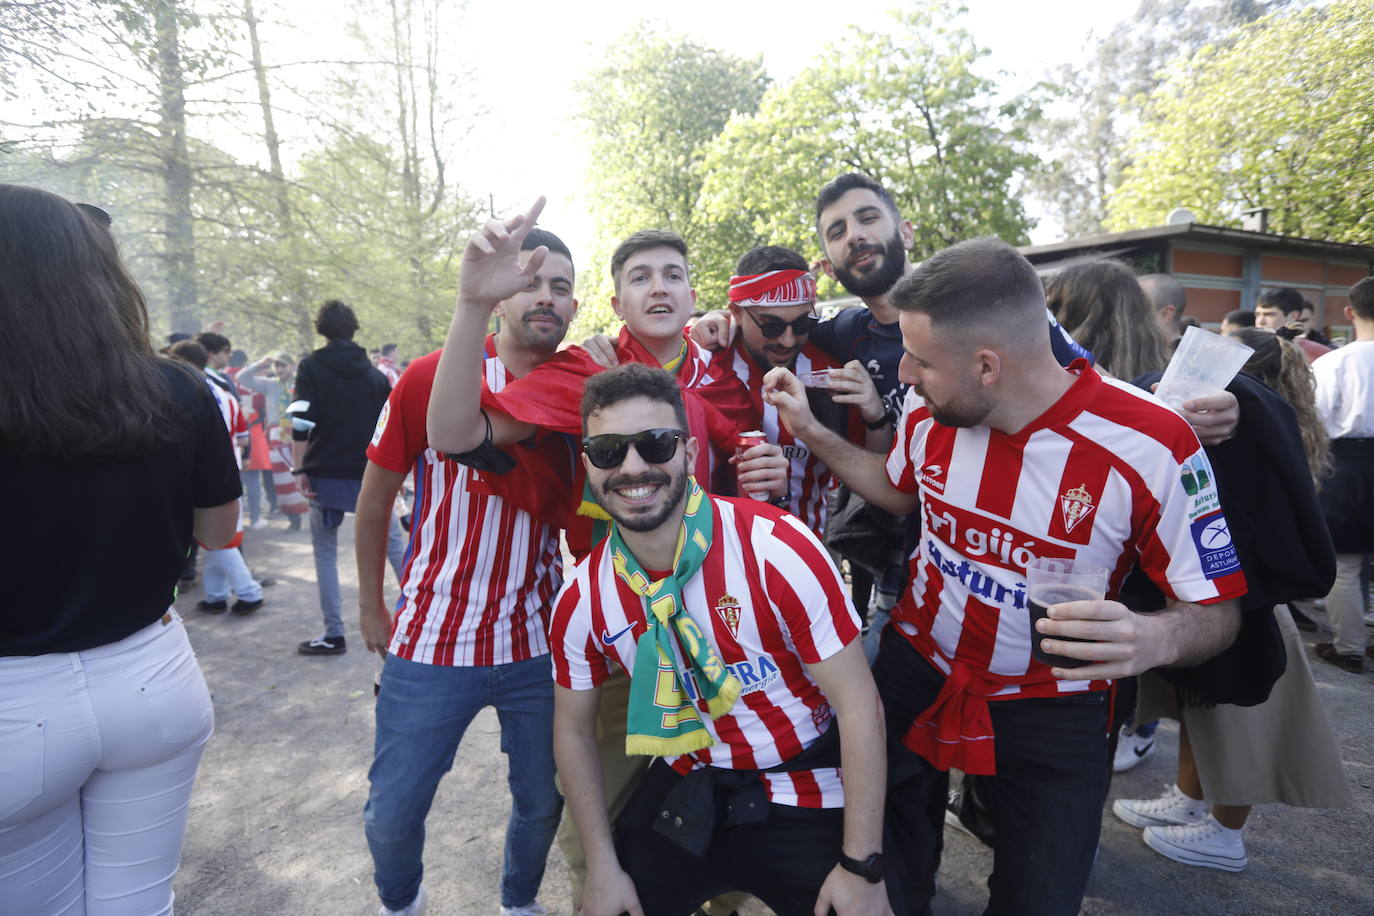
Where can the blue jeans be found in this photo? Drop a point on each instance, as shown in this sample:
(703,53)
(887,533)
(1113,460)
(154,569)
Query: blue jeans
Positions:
(1045,802)
(226,571)
(324,538)
(422,713)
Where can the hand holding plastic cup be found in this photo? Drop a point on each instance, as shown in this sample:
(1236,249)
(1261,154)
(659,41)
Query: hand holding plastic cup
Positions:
(1203,365)
(1055,581)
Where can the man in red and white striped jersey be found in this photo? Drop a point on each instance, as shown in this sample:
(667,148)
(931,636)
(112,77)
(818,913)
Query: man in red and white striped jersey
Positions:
(1010,457)
(470,628)
(773,301)
(758,607)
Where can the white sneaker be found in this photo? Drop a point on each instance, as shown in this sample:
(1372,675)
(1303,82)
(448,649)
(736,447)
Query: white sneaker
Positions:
(1131,749)
(533,908)
(416,907)
(1170,809)
(260,524)
(1206,844)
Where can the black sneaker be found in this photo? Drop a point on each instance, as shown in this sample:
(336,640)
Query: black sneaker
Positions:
(324,645)
(212,607)
(246,607)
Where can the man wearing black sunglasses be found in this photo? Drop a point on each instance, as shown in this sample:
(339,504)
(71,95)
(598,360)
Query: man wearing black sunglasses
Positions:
(746,670)
(773,300)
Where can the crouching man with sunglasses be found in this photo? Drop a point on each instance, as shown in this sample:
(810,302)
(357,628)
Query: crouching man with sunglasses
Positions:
(747,682)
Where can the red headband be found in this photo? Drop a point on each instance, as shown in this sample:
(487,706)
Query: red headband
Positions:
(775,288)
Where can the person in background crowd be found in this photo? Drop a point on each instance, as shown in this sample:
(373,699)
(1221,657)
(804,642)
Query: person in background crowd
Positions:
(387,360)
(955,672)
(225,569)
(1345,401)
(339,396)
(270,379)
(119,458)
(1236,320)
(1169,299)
(218,352)
(1233,757)
(1285,307)
(470,628)
(1104,309)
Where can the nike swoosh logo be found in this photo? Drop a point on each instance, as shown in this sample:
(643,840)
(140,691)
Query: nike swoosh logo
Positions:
(1142,751)
(607,638)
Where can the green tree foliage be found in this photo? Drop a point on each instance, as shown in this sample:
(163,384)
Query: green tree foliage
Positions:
(649,115)
(1282,118)
(906,108)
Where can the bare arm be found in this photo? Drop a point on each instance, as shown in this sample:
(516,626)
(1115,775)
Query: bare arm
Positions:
(609,891)
(374,509)
(848,686)
(863,471)
(1127,643)
(216,526)
(491,271)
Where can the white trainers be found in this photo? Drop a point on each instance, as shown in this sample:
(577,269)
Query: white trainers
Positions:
(260,524)
(1206,844)
(533,908)
(416,907)
(1131,749)
(1170,809)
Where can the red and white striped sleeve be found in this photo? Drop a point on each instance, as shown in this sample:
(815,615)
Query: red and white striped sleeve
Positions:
(901,470)
(577,660)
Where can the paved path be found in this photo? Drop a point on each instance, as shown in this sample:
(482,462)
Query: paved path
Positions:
(276,822)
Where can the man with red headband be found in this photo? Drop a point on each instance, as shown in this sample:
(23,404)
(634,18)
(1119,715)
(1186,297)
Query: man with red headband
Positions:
(773,300)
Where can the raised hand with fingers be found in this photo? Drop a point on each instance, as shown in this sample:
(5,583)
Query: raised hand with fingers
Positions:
(491,268)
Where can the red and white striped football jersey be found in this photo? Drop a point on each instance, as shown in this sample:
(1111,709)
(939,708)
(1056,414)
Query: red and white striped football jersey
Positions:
(234,421)
(1108,474)
(771,602)
(479,573)
(809,480)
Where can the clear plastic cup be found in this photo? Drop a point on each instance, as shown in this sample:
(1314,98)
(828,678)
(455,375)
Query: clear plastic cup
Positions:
(1203,365)
(1054,581)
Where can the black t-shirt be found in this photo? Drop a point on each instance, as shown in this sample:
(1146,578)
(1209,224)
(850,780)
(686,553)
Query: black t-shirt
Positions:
(90,553)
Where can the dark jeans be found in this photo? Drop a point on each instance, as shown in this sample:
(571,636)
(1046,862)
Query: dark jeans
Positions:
(1045,801)
(783,862)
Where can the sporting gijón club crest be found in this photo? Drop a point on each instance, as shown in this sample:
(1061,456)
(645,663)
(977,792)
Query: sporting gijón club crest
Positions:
(727,608)
(1076,504)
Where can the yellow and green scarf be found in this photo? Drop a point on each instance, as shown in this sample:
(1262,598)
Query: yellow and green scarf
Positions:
(662,718)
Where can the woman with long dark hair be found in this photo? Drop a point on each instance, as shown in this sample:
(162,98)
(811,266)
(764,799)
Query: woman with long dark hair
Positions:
(1102,306)
(111,459)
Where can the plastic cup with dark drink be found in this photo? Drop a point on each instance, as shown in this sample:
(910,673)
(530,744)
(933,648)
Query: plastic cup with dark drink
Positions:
(1055,581)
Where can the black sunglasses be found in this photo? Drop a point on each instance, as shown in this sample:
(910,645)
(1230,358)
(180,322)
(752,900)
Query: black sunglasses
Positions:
(655,446)
(773,328)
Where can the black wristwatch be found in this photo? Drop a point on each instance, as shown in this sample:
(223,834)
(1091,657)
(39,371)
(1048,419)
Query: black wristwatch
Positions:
(889,416)
(870,869)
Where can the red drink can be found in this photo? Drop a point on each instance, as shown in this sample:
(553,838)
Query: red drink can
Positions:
(744,442)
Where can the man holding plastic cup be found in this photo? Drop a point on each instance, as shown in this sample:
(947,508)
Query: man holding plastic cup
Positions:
(1011,459)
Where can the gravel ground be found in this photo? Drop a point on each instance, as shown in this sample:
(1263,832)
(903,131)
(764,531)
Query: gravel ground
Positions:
(276,819)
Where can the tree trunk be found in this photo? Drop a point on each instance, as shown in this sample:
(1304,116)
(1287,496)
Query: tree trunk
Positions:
(179,246)
(287,275)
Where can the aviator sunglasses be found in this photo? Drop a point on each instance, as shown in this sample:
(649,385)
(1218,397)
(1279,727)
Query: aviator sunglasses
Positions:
(655,446)
(773,328)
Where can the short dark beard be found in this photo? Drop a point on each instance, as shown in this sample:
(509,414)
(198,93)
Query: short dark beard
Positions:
(878,281)
(677,487)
